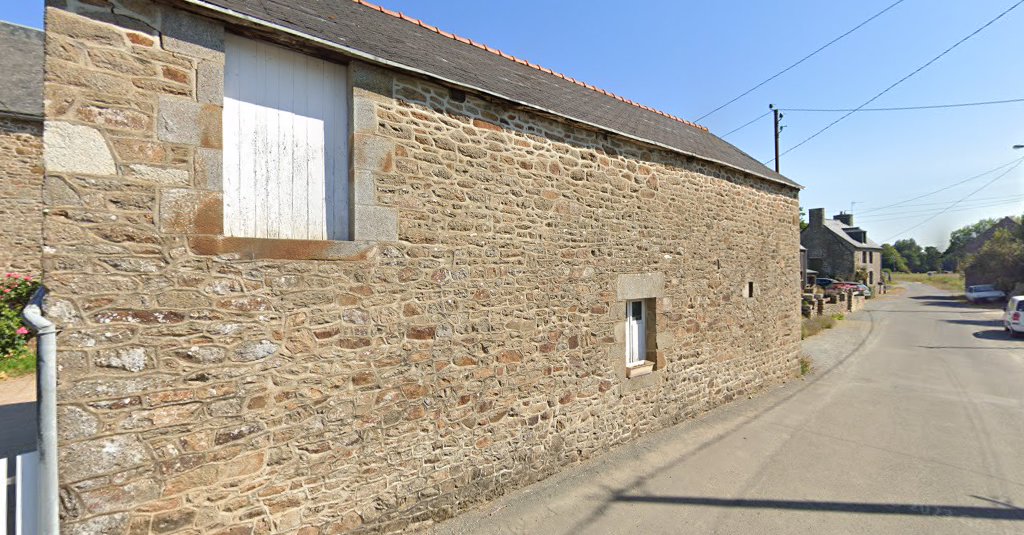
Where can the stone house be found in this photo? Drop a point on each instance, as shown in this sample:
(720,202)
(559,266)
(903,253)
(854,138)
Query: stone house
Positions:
(974,276)
(21,147)
(838,249)
(320,268)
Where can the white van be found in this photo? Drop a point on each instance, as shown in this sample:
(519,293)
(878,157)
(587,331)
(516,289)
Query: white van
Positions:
(1013,319)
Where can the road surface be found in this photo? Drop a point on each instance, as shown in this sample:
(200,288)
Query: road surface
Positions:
(912,422)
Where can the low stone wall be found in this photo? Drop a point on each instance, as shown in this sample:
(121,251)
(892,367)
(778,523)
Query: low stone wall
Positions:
(837,304)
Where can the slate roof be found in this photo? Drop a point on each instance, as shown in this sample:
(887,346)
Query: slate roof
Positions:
(406,43)
(839,229)
(980,240)
(21,62)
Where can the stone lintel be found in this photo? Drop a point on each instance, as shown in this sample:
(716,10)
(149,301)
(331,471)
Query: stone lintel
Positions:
(640,286)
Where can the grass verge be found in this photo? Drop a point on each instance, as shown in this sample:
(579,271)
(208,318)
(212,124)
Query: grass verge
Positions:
(21,363)
(814,325)
(953,282)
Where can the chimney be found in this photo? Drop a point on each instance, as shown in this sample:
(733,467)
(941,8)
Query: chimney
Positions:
(846,218)
(816,217)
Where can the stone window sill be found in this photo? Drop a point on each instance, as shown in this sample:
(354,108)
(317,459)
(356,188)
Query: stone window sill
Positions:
(639,370)
(277,249)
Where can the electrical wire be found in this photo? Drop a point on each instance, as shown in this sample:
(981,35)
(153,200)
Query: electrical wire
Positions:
(901,80)
(733,131)
(940,190)
(958,201)
(855,110)
(803,59)
(905,108)
(943,203)
(919,213)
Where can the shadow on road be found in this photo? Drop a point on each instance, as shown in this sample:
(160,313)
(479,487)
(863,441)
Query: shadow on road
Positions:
(936,298)
(17,428)
(993,334)
(980,323)
(961,511)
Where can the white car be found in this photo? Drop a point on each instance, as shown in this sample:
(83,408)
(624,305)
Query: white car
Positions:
(984,292)
(1013,320)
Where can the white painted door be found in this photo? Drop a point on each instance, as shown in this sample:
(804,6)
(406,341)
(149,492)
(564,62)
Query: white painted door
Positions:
(285,143)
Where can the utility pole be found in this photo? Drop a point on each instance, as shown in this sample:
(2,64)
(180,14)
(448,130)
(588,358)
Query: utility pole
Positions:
(778,130)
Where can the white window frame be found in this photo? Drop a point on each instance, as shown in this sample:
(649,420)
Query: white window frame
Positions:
(636,334)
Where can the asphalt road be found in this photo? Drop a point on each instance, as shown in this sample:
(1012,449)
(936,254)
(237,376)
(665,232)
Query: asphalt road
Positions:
(912,422)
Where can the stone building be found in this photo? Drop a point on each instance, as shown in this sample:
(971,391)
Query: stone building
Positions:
(474,272)
(976,276)
(837,249)
(21,147)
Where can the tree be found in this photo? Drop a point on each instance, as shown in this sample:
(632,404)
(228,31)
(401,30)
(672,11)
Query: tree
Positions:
(912,253)
(892,260)
(932,259)
(803,219)
(1000,261)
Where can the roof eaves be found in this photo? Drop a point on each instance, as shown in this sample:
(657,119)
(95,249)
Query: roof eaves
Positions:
(371,58)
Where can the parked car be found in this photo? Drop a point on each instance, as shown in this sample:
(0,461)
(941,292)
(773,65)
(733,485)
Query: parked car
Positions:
(824,282)
(842,287)
(865,290)
(1013,319)
(981,293)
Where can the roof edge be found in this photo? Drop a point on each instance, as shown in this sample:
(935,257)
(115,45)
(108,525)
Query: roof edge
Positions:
(371,58)
(497,52)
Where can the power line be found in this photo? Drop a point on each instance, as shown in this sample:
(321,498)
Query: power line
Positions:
(901,80)
(961,199)
(734,130)
(856,110)
(941,203)
(940,190)
(963,207)
(803,59)
(905,108)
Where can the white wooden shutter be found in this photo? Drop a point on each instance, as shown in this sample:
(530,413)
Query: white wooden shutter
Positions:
(285,144)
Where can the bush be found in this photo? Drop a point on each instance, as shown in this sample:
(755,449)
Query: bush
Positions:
(15,356)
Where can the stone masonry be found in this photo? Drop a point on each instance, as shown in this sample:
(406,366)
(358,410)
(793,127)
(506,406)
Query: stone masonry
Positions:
(469,341)
(21,165)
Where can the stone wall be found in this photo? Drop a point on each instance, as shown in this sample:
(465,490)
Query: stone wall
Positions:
(21,219)
(470,341)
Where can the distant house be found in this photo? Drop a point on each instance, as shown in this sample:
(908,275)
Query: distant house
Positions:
(838,249)
(972,277)
(21,146)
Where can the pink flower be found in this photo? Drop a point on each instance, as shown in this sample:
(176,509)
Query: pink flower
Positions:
(22,331)
(7,290)
(28,277)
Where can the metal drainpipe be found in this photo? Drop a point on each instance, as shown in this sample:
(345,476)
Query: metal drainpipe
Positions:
(46,406)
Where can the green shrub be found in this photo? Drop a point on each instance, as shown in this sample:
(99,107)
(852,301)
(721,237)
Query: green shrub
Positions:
(15,356)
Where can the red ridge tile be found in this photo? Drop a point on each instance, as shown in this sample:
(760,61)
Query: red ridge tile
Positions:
(497,52)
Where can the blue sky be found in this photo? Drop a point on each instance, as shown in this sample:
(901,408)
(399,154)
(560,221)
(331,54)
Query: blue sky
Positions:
(686,58)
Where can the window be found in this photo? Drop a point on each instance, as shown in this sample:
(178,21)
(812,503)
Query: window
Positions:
(636,333)
(749,290)
(864,257)
(871,257)
(285,144)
